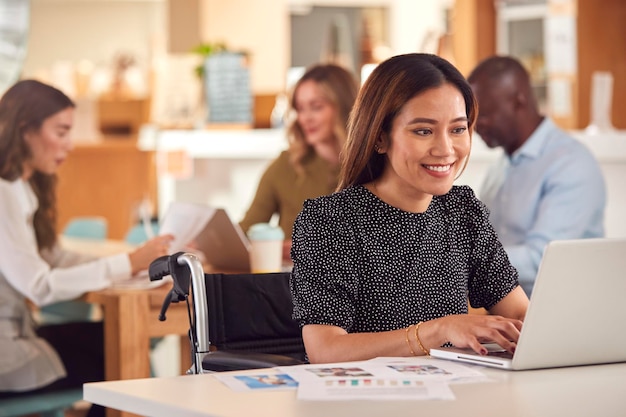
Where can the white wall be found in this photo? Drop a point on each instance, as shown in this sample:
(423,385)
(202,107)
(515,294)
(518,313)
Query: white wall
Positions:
(412,21)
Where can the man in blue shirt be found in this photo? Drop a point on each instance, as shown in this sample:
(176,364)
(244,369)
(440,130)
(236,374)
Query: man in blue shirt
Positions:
(546,185)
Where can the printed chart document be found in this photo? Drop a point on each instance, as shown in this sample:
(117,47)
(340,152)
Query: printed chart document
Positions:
(377,379)
(432,368)
(258,382)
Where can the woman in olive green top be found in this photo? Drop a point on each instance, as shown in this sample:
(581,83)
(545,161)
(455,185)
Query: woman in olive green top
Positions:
(322,100)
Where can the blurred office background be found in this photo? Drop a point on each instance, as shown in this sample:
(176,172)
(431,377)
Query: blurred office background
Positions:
(133,67)
(136,71)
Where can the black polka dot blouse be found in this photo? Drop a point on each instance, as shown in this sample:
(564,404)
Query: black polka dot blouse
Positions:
(366,266)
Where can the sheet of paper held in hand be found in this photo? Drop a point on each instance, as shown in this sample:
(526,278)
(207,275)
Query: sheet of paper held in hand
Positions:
(377,379)
(184,221)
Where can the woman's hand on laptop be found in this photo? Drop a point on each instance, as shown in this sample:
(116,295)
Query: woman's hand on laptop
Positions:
(470,331)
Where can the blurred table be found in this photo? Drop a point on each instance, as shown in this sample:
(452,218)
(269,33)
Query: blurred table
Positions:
(95,247)
(130,320)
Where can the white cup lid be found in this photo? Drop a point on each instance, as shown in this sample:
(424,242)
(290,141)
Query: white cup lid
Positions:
(265,231)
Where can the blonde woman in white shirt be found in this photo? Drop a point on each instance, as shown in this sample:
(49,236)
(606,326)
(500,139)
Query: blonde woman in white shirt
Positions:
(35,120)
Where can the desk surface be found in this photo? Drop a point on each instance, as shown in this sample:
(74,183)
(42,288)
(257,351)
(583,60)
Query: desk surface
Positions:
(572,392)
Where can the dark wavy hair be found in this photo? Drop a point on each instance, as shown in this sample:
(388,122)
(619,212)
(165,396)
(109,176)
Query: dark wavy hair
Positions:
(24,107)
(393,83)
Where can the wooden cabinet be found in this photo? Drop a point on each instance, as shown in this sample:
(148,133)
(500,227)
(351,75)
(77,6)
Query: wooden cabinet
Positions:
(600,42)
(122,116)
(473,25)
(601,47)
(109,178)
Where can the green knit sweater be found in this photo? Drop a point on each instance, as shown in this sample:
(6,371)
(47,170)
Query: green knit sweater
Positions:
(282,191)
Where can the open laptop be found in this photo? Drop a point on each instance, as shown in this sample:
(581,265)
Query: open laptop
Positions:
(212,232)
(576,314)
(224,245)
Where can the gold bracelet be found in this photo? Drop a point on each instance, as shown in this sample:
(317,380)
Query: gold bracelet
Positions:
(407,340)
(419,342)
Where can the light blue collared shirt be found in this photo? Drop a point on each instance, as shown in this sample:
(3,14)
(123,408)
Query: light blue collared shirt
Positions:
(551,188)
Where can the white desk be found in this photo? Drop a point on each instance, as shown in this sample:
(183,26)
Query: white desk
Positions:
(569,392)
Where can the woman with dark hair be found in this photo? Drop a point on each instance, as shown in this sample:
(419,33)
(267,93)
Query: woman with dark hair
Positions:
(322,100)
(386,265)
(35,121)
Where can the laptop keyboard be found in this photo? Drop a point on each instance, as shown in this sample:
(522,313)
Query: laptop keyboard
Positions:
(500,354)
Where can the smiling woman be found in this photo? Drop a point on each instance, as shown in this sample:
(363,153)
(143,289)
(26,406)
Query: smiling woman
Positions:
(321,100)
(425,154)
(385,266)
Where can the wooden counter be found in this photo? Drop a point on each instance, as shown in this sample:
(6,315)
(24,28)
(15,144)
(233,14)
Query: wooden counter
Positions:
(107,178)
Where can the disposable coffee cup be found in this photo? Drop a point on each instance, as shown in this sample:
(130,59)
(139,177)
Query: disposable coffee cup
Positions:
(266,248)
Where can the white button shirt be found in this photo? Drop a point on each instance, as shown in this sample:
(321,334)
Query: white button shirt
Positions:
(27,362)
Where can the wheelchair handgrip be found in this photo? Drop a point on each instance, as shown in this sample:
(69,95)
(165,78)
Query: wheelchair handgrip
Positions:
(159,268)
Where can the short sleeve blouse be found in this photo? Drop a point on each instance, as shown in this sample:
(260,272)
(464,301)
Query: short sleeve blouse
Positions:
(366,266)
